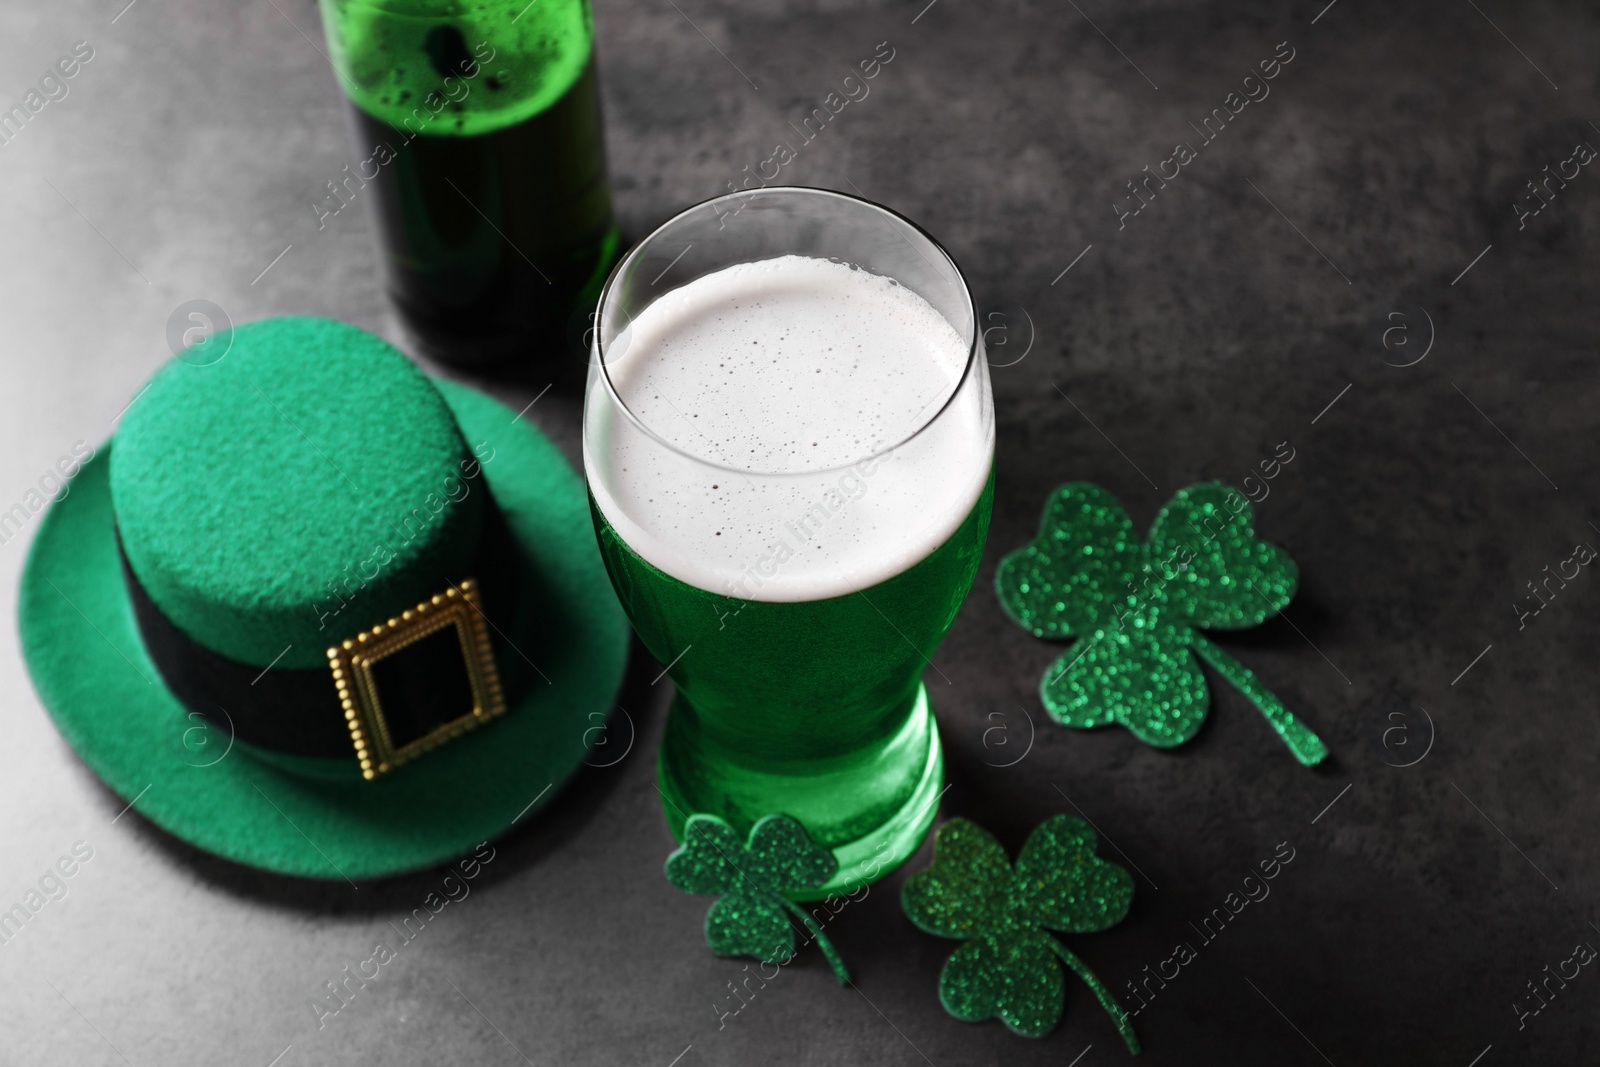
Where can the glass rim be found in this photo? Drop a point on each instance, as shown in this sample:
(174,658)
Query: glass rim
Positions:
(746,196)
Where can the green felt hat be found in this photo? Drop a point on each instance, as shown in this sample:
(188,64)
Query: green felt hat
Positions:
(317,613)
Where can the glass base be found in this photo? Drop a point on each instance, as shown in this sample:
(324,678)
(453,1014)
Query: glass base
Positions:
(866,856)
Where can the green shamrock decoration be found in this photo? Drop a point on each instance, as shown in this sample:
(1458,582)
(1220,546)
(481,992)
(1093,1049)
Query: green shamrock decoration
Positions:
(751,914)
(1141,607)
(1008,966)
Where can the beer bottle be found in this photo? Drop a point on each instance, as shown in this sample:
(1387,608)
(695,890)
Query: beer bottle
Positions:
(479,143)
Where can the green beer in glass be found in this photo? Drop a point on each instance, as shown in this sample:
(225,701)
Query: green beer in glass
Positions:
(789,441)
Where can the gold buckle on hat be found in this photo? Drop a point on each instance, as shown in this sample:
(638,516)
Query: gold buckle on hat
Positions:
(353,664)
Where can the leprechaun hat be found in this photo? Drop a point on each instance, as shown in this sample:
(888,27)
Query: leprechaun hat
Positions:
(320,614)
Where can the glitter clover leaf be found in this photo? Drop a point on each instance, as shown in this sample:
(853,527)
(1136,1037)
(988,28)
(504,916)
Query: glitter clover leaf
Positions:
(1137,609)
(751,880)
(1009,966)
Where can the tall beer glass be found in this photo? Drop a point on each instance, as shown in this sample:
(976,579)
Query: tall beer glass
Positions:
(789,441)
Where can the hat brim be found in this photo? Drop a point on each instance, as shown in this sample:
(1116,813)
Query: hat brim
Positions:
(89,665)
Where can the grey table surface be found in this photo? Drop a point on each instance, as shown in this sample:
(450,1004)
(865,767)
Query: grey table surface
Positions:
(1444,855)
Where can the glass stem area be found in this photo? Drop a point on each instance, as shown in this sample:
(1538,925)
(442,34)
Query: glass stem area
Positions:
(815,709)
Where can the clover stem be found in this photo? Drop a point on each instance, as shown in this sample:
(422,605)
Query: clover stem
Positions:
(834,959)
(1107,1001)
(1306,746)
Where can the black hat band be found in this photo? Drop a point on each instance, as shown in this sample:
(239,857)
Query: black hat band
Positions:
(431,686)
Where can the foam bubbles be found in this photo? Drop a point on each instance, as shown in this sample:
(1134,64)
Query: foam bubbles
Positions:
(779,385)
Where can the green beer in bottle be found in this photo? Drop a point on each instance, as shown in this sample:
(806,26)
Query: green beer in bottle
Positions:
(478,140)
(790,465)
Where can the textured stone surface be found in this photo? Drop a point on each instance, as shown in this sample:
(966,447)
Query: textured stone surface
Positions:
(1216,323)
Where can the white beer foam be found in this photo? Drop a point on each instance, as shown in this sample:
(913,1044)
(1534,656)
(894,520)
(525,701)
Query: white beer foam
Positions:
(781,380)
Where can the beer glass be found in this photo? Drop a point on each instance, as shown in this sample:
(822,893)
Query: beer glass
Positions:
(795,588)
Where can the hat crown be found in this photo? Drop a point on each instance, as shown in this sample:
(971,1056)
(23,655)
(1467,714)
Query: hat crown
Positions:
(307,485)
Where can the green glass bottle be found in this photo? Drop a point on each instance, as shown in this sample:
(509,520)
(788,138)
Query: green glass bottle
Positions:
(478,139)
